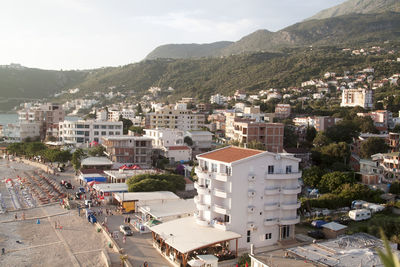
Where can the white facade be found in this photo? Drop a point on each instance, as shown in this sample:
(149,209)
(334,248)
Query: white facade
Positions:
(357,97)
(165,137)
(250,192)
(201,139)
(80,132)
(178,153)
(218,99)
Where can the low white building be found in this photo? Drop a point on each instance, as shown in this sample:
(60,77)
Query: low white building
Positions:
(84,132)
(202,140)
(164,137)
(178,153)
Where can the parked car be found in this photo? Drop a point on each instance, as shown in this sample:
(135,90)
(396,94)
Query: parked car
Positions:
(126,230)
(68,185)
(316,234)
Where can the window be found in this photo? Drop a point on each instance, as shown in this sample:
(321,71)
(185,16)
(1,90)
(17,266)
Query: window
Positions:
(111,133)
(96,139)
(103,133)
(110,126)
(86,133)
(248,236)
(213,167)
(270,169)
(79,132)
(96,133)
(87,126)
(116,133)
(103,126)
(96,126)
(117,126)
(268,236)
(289,169)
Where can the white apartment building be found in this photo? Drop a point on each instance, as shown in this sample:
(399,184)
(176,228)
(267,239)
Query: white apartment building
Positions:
(81,132)
(218,99)
(20,131)
(164,137)
(357,97)
(202,140)
(175,117)
(249,192)
(113,115)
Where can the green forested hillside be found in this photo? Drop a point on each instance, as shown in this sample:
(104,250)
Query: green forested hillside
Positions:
(17,85)
(202,77)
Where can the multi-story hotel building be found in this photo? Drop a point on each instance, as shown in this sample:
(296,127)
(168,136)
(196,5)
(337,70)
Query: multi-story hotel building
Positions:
(176,117)
(357,97)
(81,132)
(249,192)
(128,149)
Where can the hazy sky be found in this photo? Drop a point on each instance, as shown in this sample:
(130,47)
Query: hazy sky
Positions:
(78,34)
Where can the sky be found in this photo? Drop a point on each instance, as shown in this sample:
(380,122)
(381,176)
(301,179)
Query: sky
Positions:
(83,34)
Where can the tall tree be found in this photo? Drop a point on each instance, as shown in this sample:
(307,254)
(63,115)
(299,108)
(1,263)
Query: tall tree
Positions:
(373,145)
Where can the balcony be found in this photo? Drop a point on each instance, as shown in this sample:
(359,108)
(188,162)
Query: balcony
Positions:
(286,221)
(269,222)
(252,178)
(203,206)
(201,189)
(223,177)
(202,222)
(291,191)
(290,206)
(251,209)
(221,209)
(271,206)
(281,175)
(251,193)
(272,191)
(220,193)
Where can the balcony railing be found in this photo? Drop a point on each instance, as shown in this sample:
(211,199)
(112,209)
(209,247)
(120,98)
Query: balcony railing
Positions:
(290,206)
(283,175)
(270,221)
(271,206)
(291,220)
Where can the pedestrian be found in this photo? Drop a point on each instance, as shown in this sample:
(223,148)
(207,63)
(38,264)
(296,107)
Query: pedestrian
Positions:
(145,264)
(129,220)
(124,239)
(23,216)
(105,219)
(16,216)
(3,251)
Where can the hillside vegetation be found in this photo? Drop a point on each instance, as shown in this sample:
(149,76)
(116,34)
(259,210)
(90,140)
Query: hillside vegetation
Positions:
(29,84)
(203,77)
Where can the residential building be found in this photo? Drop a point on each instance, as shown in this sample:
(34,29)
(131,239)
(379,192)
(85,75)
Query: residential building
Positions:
(357,97)
(381,118)
(282,111)
(249,192)
(22,130)
(169,143)
(175,118)
(394,142)
(202,141)
(81,132)
(164,137)
(49,115)
(218,99)
(268,134)
(322,123)
(129,149)
(113,115)
(239,95)
(390,165)
(370,172)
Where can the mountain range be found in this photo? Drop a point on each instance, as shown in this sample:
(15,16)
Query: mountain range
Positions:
(262,58)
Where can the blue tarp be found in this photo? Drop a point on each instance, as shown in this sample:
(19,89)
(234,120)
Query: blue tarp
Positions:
(97,179)
(318,223)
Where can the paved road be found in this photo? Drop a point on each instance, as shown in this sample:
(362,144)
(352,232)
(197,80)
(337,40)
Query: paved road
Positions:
(138,247)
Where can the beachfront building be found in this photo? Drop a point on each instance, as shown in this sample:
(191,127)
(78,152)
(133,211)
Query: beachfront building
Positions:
(175,117)
(357,97)
(250,192)
(202,141)
(85,132)
(129,149)
(48,115)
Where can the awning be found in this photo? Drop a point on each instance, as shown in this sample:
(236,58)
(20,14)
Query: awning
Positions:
(94,182)
(97,179)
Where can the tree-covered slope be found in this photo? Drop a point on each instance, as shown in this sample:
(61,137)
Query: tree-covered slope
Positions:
(188,50)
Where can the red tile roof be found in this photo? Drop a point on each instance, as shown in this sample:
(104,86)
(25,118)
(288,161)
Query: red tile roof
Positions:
(231,154)
(178,148)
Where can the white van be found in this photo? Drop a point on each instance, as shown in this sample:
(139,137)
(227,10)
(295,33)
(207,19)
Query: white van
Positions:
(360,214)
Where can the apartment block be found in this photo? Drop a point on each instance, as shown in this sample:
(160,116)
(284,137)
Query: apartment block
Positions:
(250,192)
(84,132)
(129,149)
(282,111)
(175,118)
(357,97)
(269,134)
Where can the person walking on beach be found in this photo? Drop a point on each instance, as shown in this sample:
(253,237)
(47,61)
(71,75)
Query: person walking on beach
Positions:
(16,216)
(124,239)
